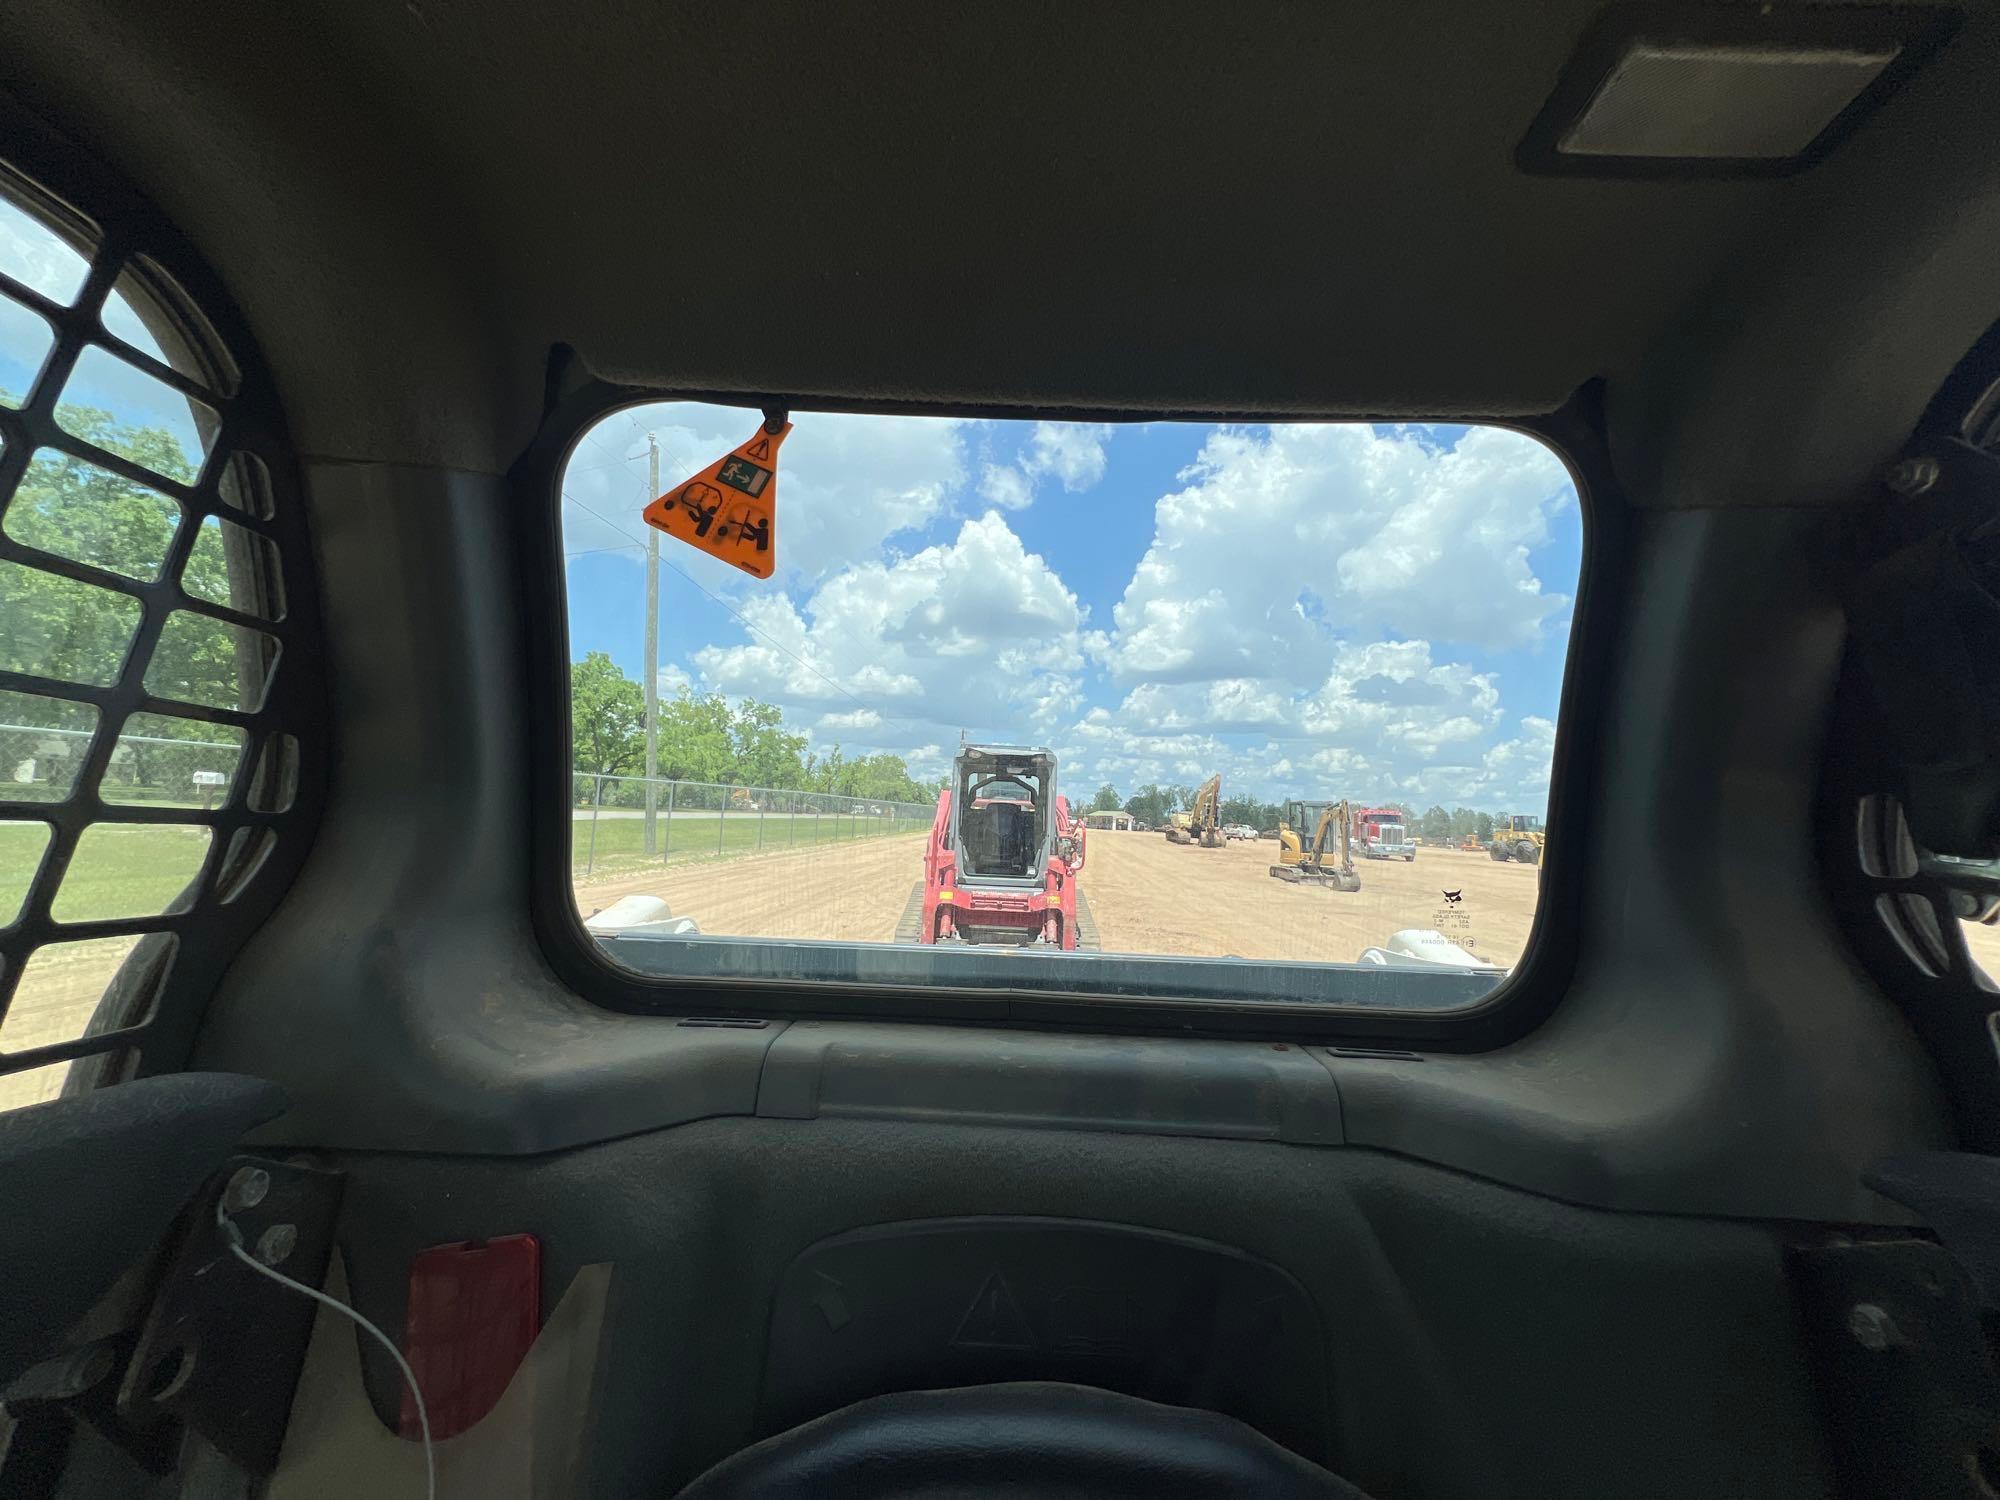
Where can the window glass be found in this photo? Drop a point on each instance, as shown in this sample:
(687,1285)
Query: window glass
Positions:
(131,870)
(77,510)
(37,257)
(25,341)
(117,494)
(122,320)
(232,566)
(33,1085)
(60,628)
(42,745)
(206,661)
(148,310)
(107,398)
(72,990)
(1017,690)
(22,845)
(162,760)
(1982,942)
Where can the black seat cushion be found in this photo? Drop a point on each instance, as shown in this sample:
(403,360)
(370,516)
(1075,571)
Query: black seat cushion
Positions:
(1030,1438)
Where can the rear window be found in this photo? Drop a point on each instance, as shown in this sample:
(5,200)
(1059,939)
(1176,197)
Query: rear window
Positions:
(1237,711)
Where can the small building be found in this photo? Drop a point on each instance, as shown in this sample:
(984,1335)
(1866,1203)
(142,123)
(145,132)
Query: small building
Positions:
(1113,819)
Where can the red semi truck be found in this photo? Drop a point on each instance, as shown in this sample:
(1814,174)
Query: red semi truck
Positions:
(1382,835)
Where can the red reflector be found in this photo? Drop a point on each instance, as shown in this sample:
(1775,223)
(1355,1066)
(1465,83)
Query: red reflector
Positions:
(474,1311)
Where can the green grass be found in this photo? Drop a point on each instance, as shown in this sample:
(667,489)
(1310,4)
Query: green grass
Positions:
(119,870)
(619,843)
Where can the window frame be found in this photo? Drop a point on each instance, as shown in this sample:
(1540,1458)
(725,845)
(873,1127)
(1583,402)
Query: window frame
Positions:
(1514,1007)
(133,243)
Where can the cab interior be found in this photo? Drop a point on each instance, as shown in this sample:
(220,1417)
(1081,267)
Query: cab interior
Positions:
(1697,1202)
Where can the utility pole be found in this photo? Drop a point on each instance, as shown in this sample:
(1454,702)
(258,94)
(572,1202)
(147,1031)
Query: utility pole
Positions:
(652,683)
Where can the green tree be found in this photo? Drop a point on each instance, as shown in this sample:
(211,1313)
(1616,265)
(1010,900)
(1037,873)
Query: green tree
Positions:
(1150,804)
(1106,799)
(876,778)
(695,742)
(78,632)
(762,752)
(1482,827)
(1245,809)
(1435,825)
(607,719)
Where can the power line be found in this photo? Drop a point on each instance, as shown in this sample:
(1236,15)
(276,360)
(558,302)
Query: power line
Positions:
(599,468)
(591,437)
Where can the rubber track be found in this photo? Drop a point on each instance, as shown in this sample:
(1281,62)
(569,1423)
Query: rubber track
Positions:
(909,926)
(1087,940)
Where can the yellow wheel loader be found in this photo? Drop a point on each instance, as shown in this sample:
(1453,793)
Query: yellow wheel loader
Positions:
(1518,836)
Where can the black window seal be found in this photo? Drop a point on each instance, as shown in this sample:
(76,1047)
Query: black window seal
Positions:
(1574,432)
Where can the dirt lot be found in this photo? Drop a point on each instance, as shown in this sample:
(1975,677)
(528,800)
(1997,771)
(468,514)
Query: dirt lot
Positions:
(845,892)
(1148,896)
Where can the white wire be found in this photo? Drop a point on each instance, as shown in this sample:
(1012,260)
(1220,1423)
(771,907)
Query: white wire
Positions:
(423,1414)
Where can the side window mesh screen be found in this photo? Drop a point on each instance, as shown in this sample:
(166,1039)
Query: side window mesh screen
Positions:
(157,697)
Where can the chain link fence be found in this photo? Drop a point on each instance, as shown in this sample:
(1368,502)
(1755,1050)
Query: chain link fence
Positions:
(618,828)
(39,763)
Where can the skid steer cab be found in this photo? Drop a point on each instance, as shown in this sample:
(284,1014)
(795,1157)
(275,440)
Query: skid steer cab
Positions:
(1002,861)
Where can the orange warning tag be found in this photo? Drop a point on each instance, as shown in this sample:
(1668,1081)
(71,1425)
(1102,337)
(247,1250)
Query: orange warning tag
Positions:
(730,508)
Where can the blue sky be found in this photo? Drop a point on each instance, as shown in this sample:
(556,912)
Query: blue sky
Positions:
(1321,610)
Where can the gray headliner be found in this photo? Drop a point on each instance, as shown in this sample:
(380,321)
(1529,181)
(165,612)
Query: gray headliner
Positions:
(1278,207)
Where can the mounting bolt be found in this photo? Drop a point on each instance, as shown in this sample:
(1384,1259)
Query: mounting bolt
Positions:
(1911,477)
(248,1187)
(1872,1327)
(275,1244)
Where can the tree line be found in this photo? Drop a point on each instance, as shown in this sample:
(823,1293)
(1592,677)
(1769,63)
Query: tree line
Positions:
(1153,802)
(703,737)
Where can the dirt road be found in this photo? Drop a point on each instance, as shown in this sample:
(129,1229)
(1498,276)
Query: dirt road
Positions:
(1148,896)
(842,893)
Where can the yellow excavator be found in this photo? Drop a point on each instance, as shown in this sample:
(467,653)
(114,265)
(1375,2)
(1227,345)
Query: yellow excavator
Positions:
(1312,864)
(1202,823)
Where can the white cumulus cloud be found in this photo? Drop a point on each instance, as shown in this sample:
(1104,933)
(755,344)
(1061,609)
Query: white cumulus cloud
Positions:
(1073,452)
(1285,539)
(1007,487)
(976,634)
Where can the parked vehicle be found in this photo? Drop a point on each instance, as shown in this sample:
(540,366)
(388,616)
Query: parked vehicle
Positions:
(1381,834)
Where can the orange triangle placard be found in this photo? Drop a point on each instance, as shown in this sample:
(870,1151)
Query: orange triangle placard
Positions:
(729,509)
